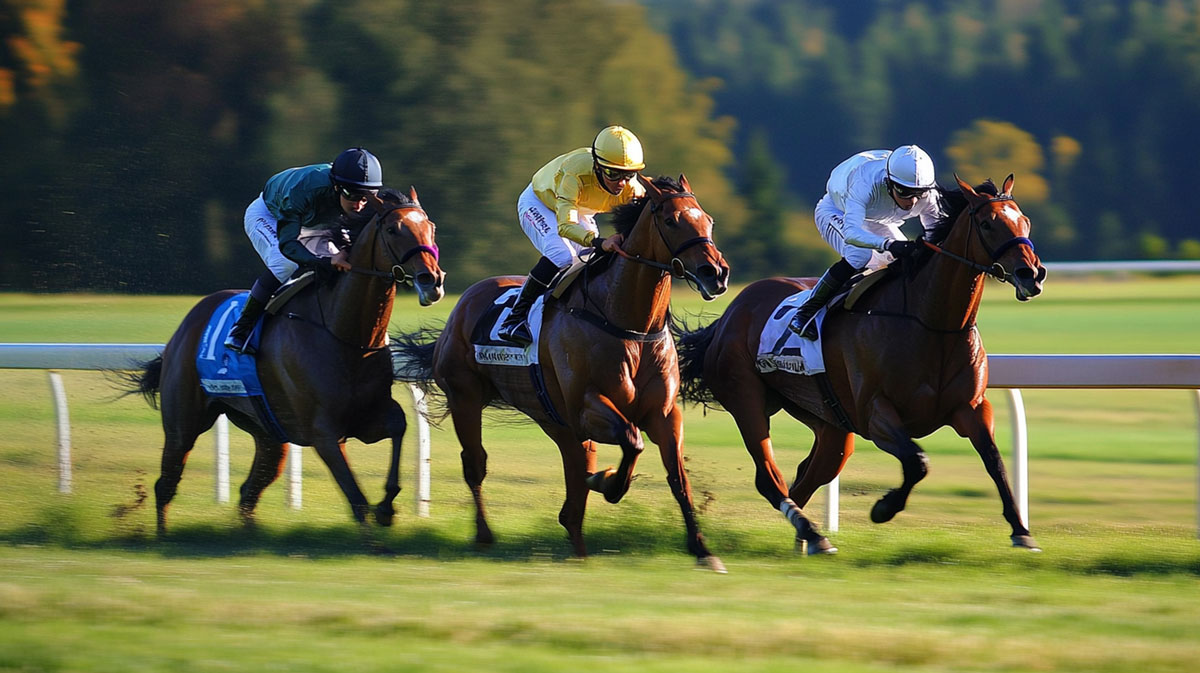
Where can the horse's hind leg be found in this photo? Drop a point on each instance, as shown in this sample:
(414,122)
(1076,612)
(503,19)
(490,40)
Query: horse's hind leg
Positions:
(385,511)
(832,447)
(181,427)
(977,425)
(466,410)
(269,456)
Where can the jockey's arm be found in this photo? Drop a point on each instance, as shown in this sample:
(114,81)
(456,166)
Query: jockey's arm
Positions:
(854,231)
(290,245)
(568,224)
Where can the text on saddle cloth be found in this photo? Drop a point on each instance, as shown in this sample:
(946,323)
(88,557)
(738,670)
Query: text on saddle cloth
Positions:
(490,348)
(225,373)
(797,354)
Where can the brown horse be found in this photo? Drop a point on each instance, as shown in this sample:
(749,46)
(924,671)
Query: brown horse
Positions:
(325,370)
(905,361)
(606,353)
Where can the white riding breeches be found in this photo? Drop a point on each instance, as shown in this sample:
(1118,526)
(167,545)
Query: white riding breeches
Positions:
(263,230)
(829,221)
(540,224)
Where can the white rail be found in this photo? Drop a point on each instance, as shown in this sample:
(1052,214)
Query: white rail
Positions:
(57,356)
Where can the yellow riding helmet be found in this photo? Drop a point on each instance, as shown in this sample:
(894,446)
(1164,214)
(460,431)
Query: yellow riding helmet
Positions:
(617,147)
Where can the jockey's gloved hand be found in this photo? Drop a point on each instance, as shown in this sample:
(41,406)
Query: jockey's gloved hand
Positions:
(901,249)
(324,268)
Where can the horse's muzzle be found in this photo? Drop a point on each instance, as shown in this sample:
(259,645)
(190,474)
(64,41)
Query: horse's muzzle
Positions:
(1028,281)
(429,288)
(713,281)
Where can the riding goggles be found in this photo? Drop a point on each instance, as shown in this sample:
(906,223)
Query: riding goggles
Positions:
(905,192)
(616,174)
(355,194)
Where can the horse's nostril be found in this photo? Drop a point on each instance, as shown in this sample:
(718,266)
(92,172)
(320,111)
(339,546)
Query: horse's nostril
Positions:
(708,271)
(424,278)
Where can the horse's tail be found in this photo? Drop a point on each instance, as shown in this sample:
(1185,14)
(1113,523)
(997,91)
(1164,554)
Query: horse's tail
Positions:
(144,381)
(692,345)
(412,356)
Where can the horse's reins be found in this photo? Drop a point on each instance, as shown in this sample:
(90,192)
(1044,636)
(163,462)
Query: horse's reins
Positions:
(404,278)
(675,267)
(996,270)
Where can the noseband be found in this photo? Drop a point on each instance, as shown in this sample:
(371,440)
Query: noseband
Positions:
(675,267)
(398,274)
(996,270)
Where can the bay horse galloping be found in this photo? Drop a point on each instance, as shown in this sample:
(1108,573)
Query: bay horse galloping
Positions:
(323,363)
(608,361)
(906,360)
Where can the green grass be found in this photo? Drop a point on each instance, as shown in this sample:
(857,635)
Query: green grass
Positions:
(85,585)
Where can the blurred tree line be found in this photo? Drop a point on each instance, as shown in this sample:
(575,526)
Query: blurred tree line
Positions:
(135,132)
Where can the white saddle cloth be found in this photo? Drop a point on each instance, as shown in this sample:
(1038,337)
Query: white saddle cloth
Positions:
(797,355)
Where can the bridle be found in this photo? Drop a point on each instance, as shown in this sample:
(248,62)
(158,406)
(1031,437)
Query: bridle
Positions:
(398,274)
(675,267)
(996,270)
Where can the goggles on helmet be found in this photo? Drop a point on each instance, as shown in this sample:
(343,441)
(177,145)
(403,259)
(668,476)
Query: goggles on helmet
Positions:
(616,174)
(906,192)
(351,194)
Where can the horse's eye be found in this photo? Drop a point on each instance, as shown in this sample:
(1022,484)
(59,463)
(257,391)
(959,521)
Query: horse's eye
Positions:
(985,225)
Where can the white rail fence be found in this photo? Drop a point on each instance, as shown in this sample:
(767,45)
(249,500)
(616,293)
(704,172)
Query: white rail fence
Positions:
(1011,373)
(59,356)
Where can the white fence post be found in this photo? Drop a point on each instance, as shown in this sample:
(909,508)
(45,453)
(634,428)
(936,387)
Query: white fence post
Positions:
(1196,399)
(63,422)
(423,457)
(1020,454)
(295,480)
(221,458)
(832,498)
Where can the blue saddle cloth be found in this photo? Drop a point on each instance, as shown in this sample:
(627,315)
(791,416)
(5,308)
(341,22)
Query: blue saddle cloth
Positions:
(224,373)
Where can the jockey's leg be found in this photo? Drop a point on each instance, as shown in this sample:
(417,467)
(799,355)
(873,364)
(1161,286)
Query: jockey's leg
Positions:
(260,293)
(515,328)
(825,289)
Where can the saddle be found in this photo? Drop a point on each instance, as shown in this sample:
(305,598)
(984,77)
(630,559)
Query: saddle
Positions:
(288,290)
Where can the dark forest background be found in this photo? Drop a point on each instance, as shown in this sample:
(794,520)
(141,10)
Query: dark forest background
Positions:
(135,132)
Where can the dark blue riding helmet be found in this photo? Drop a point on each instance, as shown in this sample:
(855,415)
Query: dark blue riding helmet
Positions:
(357,167)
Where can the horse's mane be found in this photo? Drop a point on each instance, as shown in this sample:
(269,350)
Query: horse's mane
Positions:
(396,197)
(624,217)
(952,203)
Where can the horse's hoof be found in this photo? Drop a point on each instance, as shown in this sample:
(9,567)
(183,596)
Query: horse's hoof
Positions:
(384,517)
(712,563)
(821,546)
(881,513)
(595,480)
(1025,542)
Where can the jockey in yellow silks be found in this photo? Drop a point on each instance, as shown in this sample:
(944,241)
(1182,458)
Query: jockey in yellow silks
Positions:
(557,211)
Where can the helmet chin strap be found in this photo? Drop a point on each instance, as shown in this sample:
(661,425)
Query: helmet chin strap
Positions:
(600,177)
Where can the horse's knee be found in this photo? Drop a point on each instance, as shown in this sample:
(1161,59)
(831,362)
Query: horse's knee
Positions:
(397,422)
(915,465)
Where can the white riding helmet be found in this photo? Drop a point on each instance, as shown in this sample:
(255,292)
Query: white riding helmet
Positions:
(910,166)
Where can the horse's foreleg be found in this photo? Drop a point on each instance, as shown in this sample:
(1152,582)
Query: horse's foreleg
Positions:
(269,456)
(385,511)
(467,413)
(977,425)
(667,433)
(333,453)
(603,422)
(887,430)
(575,457)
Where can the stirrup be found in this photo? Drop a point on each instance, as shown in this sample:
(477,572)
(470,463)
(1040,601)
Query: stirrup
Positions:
(241,346)
(518,333)
(806,329)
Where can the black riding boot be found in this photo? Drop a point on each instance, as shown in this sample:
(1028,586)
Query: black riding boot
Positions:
(260,293)
(515,328)
(829,285)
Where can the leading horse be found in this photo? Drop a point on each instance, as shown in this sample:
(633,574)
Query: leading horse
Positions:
(607,356)
(325,368)
(906,360)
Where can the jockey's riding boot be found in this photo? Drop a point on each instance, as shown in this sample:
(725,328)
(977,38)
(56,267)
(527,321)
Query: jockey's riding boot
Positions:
(240,333)
(515,327)
(829,284)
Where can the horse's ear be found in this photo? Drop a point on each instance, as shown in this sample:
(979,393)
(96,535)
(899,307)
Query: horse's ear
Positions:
(684,183)
(412,194)
(967,189)
(1008,185)
(652,190)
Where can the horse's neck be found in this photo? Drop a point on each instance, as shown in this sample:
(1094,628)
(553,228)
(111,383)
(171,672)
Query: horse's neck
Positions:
(357,310)
(945,293)
(634,296)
